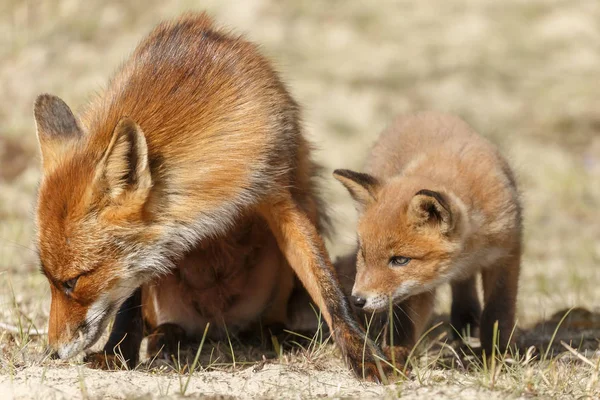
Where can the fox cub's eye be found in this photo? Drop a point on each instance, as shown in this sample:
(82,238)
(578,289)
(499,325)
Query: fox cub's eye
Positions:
(69,285)
(399,261)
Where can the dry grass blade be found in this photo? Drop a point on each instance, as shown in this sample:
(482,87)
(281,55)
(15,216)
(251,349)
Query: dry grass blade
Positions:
(545,357)
(521,72)
(409,359)
(195,362)
(579,355)
(16,330)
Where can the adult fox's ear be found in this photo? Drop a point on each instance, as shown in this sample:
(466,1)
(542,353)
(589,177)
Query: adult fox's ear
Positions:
(433,209)
(57,129)
(362,187)
(125,164)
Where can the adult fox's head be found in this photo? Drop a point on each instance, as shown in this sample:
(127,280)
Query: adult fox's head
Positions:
(409,233)
(90,221)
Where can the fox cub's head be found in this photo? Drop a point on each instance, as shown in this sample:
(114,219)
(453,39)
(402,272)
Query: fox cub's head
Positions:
(90,221)
(409,231)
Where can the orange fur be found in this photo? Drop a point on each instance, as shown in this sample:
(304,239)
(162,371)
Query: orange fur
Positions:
(440,196)
(194,141)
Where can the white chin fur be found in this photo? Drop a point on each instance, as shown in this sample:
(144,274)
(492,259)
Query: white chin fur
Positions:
(70,349)
(96,319)
(96,323)
(376,303)
(82,342)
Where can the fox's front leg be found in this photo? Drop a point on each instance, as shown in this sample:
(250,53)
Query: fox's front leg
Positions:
(466,310)
(404,329)
(500,286)
(165,339)
(305,251)
(165,342)
(123,345)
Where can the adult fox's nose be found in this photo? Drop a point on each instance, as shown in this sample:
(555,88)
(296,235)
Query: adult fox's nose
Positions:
(53,354)
(359,301)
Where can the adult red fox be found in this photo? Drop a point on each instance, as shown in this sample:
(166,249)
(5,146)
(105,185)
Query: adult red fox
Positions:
(191,161)
(437,204)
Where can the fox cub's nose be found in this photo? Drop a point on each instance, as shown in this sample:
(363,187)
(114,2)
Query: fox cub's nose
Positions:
(359,301)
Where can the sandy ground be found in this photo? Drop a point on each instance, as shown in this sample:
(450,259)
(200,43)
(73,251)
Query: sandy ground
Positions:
(273,381)
(523,73)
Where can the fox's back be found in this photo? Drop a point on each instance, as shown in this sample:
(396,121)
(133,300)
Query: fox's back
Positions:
(209,105)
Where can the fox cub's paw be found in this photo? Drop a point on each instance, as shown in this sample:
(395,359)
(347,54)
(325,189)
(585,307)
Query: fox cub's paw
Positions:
(105,361)
(391,361)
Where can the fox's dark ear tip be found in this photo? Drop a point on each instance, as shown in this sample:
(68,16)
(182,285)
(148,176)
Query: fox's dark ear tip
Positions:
(45,98)
(344,173)
(40,102)
(46,104)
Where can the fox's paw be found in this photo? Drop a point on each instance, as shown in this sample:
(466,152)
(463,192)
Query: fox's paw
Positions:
(104,361)
(391,362)
(372,365)
(362,355)
(166,342)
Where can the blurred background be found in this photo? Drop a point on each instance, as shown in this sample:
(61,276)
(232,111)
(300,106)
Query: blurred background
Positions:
(525,74)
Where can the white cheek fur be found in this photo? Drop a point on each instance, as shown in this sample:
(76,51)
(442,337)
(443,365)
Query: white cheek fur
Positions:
(406,289)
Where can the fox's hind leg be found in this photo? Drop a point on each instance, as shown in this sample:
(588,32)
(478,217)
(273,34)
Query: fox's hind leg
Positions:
(466,309)
(305,251)
(500,285)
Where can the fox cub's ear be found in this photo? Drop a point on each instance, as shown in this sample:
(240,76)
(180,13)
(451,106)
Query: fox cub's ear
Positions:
(125,164)
(362,187)
(57,128)
(434,209)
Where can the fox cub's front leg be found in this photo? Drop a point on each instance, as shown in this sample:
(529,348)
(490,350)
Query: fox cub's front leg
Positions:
(500,285)
(406,325)
(466,309)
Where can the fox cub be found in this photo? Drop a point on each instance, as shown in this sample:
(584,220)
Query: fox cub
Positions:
(189,177)
(438,204)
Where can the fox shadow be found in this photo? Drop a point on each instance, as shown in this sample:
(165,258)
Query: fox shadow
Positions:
(255,347)
(577,328)
(562,335)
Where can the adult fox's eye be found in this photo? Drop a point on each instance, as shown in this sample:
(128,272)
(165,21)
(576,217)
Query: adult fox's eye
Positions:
(69,285)
(399,261)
